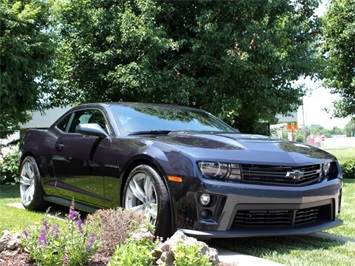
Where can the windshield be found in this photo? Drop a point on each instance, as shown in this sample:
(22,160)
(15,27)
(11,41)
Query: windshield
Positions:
(137,118)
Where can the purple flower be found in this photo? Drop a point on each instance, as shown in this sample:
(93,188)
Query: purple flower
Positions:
(79,223)
(45,224)
(55,230)
(25,233)
(42,240)
(72,213)
(91,241)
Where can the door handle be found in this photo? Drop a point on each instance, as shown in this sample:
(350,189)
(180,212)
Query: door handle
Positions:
(60,147)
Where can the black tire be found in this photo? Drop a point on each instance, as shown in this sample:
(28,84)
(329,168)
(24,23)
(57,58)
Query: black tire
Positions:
(146,192)
(31,191)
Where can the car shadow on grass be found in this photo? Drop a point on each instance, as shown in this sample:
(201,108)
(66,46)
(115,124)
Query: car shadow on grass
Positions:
(266,246)
(12,191)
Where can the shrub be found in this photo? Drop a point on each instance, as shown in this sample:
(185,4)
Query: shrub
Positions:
(190,255)
(137,250)
(9,168)
(115,226)
(73,244)
(348,169)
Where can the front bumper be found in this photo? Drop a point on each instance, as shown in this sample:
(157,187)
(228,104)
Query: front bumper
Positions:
(242,210)
(259,232)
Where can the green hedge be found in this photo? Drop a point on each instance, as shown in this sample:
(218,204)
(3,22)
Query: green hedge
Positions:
(348,169)
(9,168)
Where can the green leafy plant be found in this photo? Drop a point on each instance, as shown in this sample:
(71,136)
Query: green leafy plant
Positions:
(137,250)
(348,169)
(9,168)
(72,244)
(189,255)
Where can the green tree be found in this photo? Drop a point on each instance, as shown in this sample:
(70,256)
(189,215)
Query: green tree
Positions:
(236,59)
(350,128)
(336,131)
(339,51)
(25,52)
(317,130)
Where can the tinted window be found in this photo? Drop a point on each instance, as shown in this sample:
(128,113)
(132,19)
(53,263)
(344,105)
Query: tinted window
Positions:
(63,125)
(70,122)
(142,118)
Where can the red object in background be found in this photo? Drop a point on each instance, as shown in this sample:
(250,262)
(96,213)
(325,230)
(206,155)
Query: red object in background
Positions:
(292,126)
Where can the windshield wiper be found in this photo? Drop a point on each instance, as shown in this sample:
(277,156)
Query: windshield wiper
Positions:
(148,132)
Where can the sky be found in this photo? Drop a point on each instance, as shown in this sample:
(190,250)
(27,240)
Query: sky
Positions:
(314,105)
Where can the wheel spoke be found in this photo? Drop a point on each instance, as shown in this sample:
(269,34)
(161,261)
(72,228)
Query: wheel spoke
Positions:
(153,211)
(29,170)
(138,208)
(137,190)
(149,190)
(25,181)
(28,194)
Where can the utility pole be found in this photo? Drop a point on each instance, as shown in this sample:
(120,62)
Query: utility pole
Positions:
(304,126)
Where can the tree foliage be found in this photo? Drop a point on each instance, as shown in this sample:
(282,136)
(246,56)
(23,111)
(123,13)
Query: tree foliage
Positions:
(25,50)
(339,50)
(350,128)
(237,59)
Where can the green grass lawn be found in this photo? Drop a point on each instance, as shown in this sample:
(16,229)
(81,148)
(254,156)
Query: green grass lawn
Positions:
(343,154)
(13,218)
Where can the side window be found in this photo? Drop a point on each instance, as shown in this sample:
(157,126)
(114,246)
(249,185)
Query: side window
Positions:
(97,117)
(77,118)
(63,125)
(70,122)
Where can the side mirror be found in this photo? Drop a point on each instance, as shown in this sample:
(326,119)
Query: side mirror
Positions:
(92,129)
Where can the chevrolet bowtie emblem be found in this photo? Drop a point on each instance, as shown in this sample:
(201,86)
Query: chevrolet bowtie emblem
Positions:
(295,175)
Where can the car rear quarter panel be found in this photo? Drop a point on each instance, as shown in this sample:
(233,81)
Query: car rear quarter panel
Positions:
(40,145)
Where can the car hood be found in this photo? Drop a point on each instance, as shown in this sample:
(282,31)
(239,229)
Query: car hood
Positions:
(244,148)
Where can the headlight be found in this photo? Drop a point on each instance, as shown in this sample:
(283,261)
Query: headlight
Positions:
(330,170)
(220,171)
(326,167)
(213,170)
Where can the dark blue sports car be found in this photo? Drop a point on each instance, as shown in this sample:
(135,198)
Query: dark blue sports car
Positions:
(184,168)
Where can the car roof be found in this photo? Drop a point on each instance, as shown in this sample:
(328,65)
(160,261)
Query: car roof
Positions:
(136,104)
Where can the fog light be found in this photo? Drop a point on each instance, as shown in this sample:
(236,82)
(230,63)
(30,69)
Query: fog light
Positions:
(205,199)
(205,214)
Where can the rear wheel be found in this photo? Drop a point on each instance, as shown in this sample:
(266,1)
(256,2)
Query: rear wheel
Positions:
(31,191)
(146,192)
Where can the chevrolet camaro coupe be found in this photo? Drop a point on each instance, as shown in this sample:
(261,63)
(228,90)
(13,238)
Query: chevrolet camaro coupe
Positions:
(183,168)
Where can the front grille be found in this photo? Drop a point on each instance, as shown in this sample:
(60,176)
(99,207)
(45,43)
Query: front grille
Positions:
(276,218)
(281,175)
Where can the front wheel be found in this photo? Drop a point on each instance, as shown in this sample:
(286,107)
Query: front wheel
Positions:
(146,192)
(31,191)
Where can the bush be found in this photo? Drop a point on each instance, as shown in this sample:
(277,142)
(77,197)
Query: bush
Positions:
(9,168)
(137,250)
(115,227)
(348,169)
(190,255)
(72,244)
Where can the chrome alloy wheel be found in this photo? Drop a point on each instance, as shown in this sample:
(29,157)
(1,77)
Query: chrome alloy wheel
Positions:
(141,196)
(27,182)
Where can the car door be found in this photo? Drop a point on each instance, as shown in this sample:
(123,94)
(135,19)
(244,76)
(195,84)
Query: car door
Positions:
(78,160)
